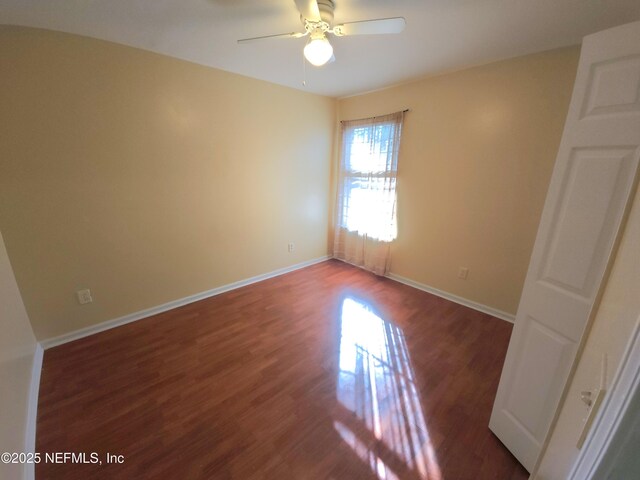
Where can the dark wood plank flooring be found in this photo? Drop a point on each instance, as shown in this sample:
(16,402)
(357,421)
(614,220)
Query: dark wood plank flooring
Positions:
(326,372)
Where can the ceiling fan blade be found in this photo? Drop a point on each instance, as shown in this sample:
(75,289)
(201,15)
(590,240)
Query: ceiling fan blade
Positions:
(308,9)
(371,27)
(268,37)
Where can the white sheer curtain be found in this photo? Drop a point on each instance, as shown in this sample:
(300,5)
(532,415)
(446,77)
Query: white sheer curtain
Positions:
(365,217)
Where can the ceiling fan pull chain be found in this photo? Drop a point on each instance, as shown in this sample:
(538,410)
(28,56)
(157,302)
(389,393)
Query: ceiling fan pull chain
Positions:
(304,69)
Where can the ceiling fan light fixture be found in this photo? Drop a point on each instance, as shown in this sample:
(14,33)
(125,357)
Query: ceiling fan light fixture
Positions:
(318,51)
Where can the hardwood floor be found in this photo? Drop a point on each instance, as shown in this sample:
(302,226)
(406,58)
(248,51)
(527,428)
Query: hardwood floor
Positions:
(326,372)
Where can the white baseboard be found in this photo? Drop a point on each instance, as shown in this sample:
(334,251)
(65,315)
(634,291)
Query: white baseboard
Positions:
(132,317)
(454,298)
(32,409)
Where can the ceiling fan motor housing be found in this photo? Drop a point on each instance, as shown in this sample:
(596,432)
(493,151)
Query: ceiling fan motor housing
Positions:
(319,27)
(326,8)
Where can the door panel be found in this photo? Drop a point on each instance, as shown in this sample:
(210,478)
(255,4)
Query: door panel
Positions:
(613,87)
(587,201)
(546,348)
(590,188)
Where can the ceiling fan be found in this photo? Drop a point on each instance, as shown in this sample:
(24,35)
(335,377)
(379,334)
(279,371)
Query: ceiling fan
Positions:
(317,18)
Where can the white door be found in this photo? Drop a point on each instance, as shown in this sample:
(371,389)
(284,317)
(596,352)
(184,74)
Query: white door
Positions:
(589,192)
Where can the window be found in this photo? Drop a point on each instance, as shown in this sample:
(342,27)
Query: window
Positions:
(367,181)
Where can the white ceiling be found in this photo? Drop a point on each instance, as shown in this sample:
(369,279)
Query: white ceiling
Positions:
(441,35)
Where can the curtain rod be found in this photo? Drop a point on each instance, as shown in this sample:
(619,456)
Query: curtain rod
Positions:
(371,118)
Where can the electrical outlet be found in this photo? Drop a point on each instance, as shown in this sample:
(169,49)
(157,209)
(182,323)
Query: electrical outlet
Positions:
(463,273)
(84,296)
(291,247)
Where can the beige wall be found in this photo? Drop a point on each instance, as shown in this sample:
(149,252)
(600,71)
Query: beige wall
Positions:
(17,347)
(476,157)
(615,321)
(148,179)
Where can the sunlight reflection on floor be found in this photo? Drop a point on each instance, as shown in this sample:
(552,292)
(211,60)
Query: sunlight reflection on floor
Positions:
(375,382)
